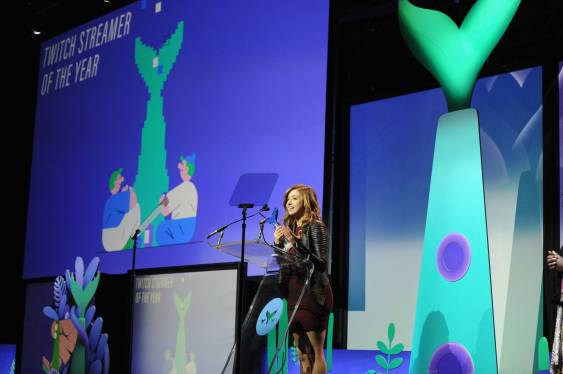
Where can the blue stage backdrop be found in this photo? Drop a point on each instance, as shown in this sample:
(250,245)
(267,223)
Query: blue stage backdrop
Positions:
(160,107)
(391,150)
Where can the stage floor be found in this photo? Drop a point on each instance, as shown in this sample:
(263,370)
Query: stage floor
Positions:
(361,362)
(357,361)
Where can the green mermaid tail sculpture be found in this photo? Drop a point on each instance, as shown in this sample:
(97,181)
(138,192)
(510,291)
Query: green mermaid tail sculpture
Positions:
(454,306)
(154,67)
(455,55)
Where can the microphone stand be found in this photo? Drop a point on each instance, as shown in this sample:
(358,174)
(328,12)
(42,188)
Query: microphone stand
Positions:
(242,274)
(134,237)
(222,228)
(261,232)
(240,286)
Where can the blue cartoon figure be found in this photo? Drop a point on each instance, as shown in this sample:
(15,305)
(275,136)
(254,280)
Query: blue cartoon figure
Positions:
(179,206)
(122,214)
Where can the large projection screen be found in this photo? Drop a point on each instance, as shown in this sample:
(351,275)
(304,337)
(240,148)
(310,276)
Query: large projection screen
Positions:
(177,98)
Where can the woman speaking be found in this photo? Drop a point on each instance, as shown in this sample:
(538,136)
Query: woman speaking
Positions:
(304,229)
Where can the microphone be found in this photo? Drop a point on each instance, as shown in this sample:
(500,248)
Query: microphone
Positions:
(220,229)
(264,208)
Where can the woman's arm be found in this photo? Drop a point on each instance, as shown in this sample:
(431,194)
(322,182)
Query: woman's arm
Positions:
(318,247)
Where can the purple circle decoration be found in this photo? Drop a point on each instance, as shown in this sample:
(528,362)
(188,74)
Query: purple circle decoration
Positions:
(453,257)
(451,358)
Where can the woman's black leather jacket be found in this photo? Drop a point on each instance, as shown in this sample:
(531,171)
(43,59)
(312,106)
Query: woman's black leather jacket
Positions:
(313,243)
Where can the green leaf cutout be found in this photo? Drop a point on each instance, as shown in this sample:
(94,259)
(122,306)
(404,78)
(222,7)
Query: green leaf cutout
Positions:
(382,347)
(82,297)
(543,354)
(395,363)
(381,361)
(397,349)
(391,332)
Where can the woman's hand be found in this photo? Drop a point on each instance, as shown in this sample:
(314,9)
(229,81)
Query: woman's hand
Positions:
(554,261)
(283,231)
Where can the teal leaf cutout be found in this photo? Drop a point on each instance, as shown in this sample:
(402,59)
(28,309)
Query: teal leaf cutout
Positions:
(391,332)
(386,361)
(397,349)
(293,354)
(455,55)
(382,347)
(81,296)
(381,361)
(395,363)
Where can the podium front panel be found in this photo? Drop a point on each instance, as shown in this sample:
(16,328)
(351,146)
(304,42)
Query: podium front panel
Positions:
(265,330)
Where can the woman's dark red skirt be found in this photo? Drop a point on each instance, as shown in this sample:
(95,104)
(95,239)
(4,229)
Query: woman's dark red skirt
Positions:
(310,316)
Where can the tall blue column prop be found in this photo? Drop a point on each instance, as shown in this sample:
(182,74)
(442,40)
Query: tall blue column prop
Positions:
(454,330)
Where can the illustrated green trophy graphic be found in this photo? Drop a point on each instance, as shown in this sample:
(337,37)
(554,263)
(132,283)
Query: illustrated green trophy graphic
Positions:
(154,67)
(454,331)
(182,306)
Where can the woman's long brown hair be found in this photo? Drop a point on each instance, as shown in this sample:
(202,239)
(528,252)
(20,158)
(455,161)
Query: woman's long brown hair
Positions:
(310,203)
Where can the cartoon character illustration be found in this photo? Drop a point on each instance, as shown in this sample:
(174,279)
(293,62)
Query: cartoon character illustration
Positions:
(121,214)
(191,367)
(168,366)
(180,205)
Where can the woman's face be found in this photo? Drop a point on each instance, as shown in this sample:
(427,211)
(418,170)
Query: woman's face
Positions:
(294,204)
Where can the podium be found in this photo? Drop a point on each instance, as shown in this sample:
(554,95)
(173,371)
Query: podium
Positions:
(265,328)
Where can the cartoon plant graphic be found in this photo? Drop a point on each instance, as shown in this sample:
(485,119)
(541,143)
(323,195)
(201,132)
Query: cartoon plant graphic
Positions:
(63,332)
(385,361)
(294,356)
(79,345)
(278,339)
